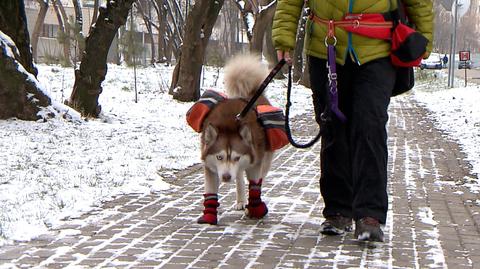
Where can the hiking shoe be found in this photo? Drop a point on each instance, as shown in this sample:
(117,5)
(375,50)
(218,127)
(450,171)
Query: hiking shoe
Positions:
(368,229)
(336,225)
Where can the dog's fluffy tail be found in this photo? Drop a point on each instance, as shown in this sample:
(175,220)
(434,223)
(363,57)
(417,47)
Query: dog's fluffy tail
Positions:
(243,75)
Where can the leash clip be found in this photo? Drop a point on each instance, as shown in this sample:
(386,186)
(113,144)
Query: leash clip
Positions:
(331,34)
(356,23)
(328,38)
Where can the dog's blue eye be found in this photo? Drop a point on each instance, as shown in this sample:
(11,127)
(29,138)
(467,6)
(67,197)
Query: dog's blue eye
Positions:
(236,159)
(219,157)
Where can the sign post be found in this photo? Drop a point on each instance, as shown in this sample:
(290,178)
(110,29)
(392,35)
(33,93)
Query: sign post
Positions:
(451,67)
(464,56)
(459,8)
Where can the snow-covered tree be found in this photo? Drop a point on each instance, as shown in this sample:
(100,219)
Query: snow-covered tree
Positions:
(93,68)
(20,94)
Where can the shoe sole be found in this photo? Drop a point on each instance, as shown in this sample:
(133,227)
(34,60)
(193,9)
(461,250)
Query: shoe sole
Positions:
(366,236)
(335,231)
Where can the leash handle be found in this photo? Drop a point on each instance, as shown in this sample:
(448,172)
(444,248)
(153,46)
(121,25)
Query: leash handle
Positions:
(332,83)
(260,90)
(287,120)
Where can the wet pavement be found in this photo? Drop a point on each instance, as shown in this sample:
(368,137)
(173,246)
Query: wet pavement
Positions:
(433,219)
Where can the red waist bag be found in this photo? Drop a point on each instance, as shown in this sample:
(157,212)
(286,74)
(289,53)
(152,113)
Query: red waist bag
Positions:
(408,46)
(373,25)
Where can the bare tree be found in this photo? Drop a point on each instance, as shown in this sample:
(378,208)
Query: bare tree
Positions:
(186,78)
(269,51)
(93,68)
(169,28)
(227,35)
(264,11)
(163,33)
(257,16)
(95,11)
(246,10)
(147,19)
(64,27)
(175,26)
(78,30)
(39,26)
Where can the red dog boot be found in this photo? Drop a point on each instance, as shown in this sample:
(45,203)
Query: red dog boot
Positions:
(256,208)
(210,212)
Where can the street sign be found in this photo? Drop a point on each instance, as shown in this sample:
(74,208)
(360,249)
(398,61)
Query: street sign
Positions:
(463,6)
(464,55)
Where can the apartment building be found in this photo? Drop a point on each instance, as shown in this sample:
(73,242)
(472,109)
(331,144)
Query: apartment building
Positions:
(49,48)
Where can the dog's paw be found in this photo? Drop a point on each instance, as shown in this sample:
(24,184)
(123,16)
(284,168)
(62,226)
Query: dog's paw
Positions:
(208,219)
(256,212)
(240,206)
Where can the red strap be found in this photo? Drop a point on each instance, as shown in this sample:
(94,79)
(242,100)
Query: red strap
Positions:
(370,25)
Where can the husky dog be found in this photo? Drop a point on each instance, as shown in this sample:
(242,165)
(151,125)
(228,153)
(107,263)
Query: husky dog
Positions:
(231,148)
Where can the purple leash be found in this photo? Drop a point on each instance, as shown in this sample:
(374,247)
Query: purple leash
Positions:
(332,79)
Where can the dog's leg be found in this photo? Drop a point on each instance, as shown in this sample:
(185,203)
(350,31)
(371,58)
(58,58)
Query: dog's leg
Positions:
(212,181)
(211,199)
(256,208)
(266,164)
(241,201)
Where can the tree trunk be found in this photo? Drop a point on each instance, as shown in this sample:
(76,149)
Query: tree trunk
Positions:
(298,54)
(78,30)
(95,12)
(93,68)
(163,34)
(305,80)
(148,24)
(270,52)
(246,11)
(198,29)
(175,32)
(64,38)
(39,26)
(67,38)
(20,96)
(262,20)
(15,26)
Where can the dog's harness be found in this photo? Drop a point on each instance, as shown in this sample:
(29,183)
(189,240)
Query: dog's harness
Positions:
(261,88)
(270,118)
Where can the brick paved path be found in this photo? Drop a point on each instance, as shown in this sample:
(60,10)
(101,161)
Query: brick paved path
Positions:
(433,219)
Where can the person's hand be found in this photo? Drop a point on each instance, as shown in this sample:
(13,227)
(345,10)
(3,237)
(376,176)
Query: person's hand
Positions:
(281,54)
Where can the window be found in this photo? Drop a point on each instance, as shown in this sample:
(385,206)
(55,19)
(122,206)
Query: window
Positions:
(50,30)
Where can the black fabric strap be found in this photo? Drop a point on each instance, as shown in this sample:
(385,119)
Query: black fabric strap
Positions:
(260,90)
(287,120)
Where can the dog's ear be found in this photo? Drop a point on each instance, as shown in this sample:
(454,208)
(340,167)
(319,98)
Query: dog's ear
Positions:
(246,134)
(210,134)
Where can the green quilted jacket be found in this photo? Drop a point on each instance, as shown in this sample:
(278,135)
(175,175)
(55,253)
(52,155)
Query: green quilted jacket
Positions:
(361,49)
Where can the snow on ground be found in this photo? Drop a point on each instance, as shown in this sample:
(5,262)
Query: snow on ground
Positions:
(56,169)
(59,168)
(456,111)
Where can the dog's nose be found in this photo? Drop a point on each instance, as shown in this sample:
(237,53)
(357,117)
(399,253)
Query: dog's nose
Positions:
(226,177)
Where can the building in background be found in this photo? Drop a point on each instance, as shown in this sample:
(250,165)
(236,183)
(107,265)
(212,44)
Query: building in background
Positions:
(50,49)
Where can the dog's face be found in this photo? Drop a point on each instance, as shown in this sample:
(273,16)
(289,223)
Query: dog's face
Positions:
(227,154)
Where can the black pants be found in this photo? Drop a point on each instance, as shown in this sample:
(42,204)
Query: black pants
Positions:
(354,153)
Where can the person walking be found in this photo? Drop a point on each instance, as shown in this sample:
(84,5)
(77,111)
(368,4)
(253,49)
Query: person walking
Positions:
(445,60)
(354,155)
